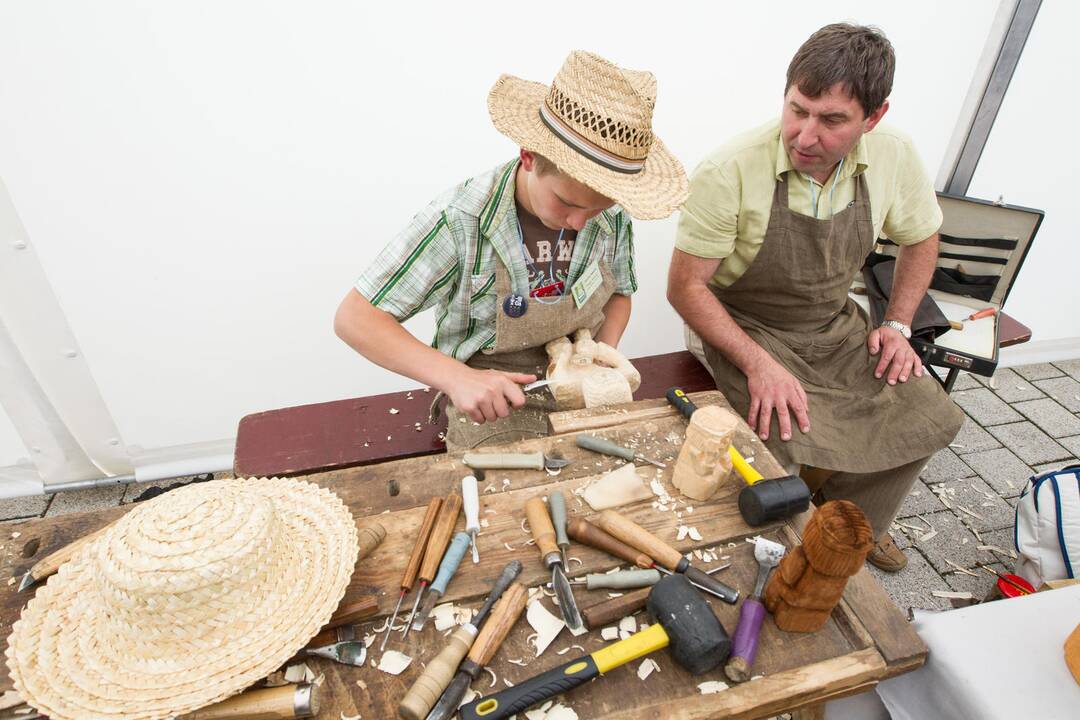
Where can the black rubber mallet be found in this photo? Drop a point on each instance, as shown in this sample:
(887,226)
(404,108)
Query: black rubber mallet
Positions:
(761,501)
(685,624)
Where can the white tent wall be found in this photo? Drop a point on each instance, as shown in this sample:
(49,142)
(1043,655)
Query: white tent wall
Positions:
(203,181)
(1029,160)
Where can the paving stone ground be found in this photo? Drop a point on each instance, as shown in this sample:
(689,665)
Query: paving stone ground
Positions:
(1025,420)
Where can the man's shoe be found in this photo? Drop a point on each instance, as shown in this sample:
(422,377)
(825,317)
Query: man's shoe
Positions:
(886,556)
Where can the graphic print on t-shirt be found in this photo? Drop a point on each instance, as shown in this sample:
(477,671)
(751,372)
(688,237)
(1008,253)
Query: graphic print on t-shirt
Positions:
(545,254)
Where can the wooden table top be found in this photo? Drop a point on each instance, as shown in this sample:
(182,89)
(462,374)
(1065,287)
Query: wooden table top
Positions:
(866,639)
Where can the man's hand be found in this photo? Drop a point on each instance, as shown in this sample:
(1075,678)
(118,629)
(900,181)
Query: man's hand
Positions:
(486,395)
(771,388)
(899,360)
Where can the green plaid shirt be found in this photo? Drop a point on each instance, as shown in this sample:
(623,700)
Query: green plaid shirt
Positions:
(446,259)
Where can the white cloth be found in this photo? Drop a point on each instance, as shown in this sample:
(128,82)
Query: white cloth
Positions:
(998,660)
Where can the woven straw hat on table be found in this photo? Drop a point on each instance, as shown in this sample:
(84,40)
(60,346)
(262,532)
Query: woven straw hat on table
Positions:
(188,599)
(595,124)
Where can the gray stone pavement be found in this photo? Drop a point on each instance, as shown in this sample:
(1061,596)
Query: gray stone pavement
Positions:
(959,515)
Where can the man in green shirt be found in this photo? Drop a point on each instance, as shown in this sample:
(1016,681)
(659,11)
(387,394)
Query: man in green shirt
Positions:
(777,225)
(527,252)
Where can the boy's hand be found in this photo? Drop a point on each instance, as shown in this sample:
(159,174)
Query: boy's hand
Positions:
(485,395)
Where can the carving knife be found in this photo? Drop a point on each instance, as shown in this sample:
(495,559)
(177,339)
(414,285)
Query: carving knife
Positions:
(544,534)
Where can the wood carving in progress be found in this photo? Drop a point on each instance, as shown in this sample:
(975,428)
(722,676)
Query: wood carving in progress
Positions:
(616,488)
(704,462)
(585,373)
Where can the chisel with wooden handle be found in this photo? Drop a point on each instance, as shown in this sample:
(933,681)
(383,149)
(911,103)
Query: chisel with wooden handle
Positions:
(666,556)
(278,703)
(506,613)
(449,565)
(543,532)
(408,578)
(436,677)
(586,533)
(49,564)
(436,547)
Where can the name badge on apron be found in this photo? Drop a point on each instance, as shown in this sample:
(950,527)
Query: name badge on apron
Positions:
(587,284)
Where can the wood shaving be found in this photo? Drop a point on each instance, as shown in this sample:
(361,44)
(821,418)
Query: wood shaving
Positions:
(610,633)
(628,624)
(711,687)
(995,548)
(952,595)
(394,411)
(494,678)
(491,489)
(574,559)
(546,625)
(361,684)
(681,533)
(393,662)
(508,546)
(350,717)
(969,512)
(507,683)
(929,536)
(298,673)
(489,511)
(517,661)
(647,667)
(694,534)
(960,569)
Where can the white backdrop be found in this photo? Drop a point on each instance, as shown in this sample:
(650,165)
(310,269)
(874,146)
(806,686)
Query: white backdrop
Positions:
(204,180)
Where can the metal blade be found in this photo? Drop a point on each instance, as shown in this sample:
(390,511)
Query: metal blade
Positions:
(565,594)
(425,610)
(27,581)
(349,652)
(535,385)
(555,462)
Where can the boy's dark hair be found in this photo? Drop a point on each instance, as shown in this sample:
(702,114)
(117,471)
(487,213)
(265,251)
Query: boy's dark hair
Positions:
(858,56)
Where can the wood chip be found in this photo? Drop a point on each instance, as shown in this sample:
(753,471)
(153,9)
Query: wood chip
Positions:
(647,667)
(960,569)
(929,536)
(948,595)
(546,625)
(610,633)
(393,662)
(969,512)
(995,548)
(712,687)
(350,717)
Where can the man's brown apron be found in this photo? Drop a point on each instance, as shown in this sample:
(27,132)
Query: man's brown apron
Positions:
(793,301)
(519,347)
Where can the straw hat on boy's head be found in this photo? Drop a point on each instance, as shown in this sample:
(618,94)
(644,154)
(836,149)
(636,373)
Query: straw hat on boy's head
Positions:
(595,124)
(186,600)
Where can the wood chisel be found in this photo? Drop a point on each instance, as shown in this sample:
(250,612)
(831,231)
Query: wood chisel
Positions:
(586,533)
(436,547)
(607,447)
(408,579)
(752,613)
(621,580)
(506,613)
(557,505)
(543,533)
(471,501)
(449,565)
(49,564)
(513,461)
(667,557)
(437,675)
(612,610)
(280,703)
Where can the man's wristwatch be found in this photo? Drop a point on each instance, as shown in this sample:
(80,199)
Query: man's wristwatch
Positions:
(899,327)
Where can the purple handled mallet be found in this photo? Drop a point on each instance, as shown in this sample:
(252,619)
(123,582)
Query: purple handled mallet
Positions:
(752,613)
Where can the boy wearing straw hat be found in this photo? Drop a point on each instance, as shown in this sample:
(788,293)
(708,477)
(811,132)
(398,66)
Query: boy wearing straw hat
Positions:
(777,225)
(525,253)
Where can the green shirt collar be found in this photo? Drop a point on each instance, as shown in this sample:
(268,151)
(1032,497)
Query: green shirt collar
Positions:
(855,162)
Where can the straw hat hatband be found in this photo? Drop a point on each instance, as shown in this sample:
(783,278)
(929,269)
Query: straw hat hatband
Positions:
(186,600)
(595,124)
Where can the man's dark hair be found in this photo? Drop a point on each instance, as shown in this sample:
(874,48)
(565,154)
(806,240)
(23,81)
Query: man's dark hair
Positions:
(859,57)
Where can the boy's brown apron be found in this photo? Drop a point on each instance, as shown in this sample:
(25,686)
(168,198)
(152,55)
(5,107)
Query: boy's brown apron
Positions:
(793,301)
(519,347)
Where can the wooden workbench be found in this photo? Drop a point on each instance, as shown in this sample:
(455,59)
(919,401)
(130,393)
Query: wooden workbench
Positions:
(866,639)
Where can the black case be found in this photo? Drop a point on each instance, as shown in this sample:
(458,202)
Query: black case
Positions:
(983,246)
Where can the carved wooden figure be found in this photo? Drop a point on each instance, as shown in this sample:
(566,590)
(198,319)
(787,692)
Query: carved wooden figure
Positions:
(704,462)
(585,373)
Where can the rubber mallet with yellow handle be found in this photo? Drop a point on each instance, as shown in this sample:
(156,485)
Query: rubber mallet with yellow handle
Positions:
(684,622)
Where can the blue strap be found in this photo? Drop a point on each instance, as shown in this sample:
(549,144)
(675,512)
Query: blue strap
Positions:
(1060,530)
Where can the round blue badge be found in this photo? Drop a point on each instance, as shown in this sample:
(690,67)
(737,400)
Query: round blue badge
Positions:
(515,305)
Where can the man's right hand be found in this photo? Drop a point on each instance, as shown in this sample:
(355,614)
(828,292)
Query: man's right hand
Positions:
(486,395)
(771,388)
